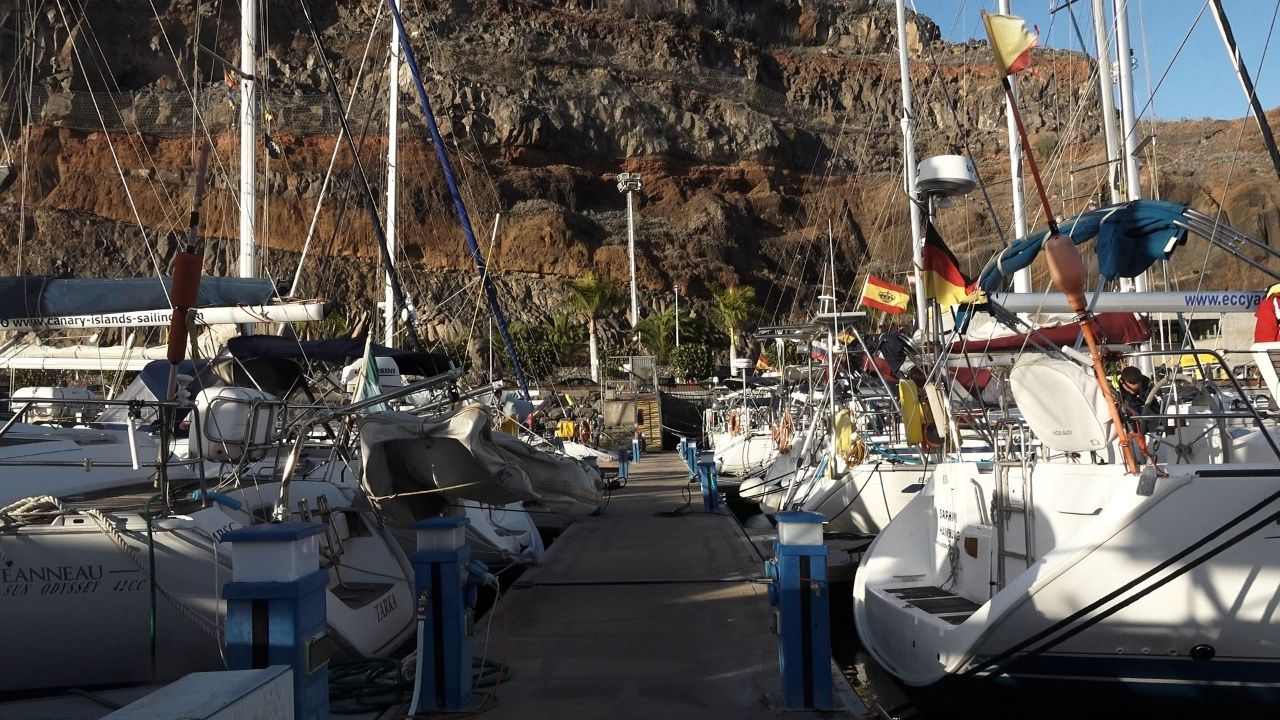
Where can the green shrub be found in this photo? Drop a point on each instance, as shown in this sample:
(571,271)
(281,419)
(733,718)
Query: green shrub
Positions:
(692,360)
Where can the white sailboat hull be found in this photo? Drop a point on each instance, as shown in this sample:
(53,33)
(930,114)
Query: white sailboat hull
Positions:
(865,498)
(48,460)
(76,596)
(740,454)
(928,603)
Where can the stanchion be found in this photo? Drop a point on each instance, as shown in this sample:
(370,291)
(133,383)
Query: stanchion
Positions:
(800,594)
(276,608)
(441,576)
(624,462)
(710,485)
(691,459)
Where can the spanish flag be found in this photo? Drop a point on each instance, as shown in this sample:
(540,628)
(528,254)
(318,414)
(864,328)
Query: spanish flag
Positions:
(884,295)
(943,280)
(1011,42)
(762,363)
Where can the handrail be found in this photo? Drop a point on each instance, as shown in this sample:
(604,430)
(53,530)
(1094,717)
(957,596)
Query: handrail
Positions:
(1253,411)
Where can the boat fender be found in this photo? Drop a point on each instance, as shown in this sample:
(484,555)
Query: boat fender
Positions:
(735,427)
(842,427)
(912,412)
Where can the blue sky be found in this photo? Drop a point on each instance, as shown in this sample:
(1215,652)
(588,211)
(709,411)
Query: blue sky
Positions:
(1200,82)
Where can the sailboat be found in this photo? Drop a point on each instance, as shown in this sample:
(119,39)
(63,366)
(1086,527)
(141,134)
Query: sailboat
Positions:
(1082,552)
(111,578)
(1061,557)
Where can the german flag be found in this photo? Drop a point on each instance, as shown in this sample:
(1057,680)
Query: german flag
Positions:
(943,280)
(884,295)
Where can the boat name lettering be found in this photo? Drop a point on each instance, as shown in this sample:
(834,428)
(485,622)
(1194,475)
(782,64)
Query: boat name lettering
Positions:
(217,534)
(15,590)
(50,573)
(70,588)
(129,585)
(385,606)
(946,515)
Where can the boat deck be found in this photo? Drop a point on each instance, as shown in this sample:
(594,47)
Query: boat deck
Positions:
(943,604)
(653,609)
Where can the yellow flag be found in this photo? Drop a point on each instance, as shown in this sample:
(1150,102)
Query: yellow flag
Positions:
(1011,42)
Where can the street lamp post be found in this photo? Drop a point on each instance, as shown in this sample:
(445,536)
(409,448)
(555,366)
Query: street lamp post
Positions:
(677,316)
(629,183)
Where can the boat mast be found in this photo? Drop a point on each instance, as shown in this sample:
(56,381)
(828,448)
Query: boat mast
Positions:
(1022,278)
(1129,122)
(248,134)
(1107,93)
(393,113)
(909,169)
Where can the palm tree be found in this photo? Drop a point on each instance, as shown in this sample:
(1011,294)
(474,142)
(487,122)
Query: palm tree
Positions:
(733,307)
(658,332)
(593,297)
(565,336)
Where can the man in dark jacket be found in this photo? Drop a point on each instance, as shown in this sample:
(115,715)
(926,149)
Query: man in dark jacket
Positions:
(1133,391)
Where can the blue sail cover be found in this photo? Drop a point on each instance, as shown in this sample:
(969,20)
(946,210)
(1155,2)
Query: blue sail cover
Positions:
(33,296)
(1131,237)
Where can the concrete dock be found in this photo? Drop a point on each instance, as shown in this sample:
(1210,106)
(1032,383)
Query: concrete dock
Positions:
(652,610)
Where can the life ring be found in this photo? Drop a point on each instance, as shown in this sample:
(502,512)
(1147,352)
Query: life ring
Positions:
(782,432)
(734,427)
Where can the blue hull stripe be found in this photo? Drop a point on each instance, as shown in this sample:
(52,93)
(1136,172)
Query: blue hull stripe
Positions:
(1152,669)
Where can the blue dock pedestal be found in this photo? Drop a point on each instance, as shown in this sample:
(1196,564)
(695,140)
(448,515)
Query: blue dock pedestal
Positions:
(800,593)
(624,462)
(440,575)
(276,608)
(710,485)
(691,459)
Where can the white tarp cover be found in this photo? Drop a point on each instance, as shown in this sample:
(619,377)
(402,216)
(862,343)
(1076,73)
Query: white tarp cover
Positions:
(564,485)
(454,457)
(1062,403)
(461,457)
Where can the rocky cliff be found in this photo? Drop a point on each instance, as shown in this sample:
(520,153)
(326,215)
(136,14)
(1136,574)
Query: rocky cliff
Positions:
(758,127)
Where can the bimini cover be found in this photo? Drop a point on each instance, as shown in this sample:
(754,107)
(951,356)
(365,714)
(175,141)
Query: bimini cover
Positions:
(413,465)
(1061,402)
(1130,238)
(564,485)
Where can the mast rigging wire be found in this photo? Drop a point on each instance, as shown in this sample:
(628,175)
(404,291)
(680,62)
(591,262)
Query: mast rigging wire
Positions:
(461,209)
(370,204)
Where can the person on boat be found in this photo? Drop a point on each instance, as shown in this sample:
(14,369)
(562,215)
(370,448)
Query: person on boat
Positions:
(1133,389)
(1266,328)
